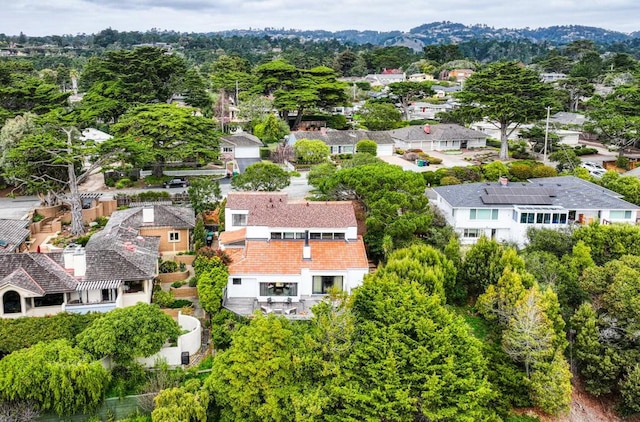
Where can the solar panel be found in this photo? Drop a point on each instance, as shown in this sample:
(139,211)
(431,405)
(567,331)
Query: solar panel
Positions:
(524,195)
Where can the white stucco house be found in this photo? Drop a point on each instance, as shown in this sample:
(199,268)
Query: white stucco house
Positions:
(287,255)
(240,145)
(505,210)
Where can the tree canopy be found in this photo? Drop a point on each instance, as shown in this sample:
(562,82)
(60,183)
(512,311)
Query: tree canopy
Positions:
(507,95)
(127,333)
(262,176)
(56,376)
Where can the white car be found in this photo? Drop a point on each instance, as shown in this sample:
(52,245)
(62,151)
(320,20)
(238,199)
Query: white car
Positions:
(597,173)
(592,166)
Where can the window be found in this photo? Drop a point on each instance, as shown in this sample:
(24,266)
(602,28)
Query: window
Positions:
(278,289)
(237,281)
(547,218)
(239,219)
(174,236)
(348,149)
(289,235)
(322,283)
(339,236)
(49,300)
(276,235)
(563,218)
(527,218)
(135,286)
(471,233)
(315,236)
(483,214)
(619,215)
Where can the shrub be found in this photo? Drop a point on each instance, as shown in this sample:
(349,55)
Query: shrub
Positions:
(37,217)
(124,183)
(168,267)
(83,240)
(449,180)
(521,171)
(410,156)
(494,143)
(581,150)
(544,171)
(177,284)
(181,303)
(183,267)
(193,282)
(265,153)
(110,182)
(294,174)
(622,162)
(367,146)
(101,221)
(163,298)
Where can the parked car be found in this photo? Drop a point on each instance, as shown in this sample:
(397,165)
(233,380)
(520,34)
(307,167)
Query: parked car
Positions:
(597,173)
(178,182)
(592,166)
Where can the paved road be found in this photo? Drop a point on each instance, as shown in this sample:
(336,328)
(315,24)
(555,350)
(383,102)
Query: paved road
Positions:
(298,189)
(17,208)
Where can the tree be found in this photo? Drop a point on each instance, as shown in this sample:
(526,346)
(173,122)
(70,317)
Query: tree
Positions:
(128,333)
(481,266)
(367,146)
(566,159)
(616,117)
(196,93)
(211,284)
(255,378)
(166,132)
(442,53)
(406,92)
(22,91)
(507,95)
(198,237)
(229,73)
(405,344)
(551,385)
(55,376)
(576,88)
(392,199)
(45,157)
(380,116)
(311,151)
(181,404)
(271,129)
(204,194)
(262,176)
(121,79)
(627,186)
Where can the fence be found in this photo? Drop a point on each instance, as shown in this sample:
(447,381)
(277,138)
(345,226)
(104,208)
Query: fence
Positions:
(112,409)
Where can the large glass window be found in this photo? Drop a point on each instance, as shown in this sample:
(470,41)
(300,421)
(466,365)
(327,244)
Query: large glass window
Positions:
(49,300)
(322,283)
(472,233)
(278,289)
(619,215)
(483,214)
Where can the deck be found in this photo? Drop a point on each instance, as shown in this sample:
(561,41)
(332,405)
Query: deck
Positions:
(296,309)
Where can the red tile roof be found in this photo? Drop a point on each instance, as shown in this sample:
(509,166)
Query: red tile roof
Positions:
(273,210)
(232,236)
(285,256)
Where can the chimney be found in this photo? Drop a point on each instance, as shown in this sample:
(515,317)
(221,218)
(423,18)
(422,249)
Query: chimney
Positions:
(147,215)
(427,129)
(503,181)
(79,262)
(75,260)
(306,249)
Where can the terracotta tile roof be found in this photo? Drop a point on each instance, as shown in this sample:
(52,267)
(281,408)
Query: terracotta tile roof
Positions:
(232,236)
(273,210)
(285,256)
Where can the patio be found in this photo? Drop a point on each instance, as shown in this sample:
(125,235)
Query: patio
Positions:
(295,308)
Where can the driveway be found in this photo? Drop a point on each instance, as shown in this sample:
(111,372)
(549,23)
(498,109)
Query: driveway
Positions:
(17,208)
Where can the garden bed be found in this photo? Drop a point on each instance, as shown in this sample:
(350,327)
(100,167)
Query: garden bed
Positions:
(172,277)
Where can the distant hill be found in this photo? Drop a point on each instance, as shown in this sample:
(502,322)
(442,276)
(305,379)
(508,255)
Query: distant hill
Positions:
(447,33)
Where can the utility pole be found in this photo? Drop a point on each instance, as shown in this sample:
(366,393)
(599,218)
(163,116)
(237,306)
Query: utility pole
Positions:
(546,137)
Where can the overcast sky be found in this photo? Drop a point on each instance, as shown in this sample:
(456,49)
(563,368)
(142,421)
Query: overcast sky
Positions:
(56,17)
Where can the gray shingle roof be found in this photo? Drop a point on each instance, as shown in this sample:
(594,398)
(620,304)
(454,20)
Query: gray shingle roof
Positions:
(571,193)
(38,273)
(13,233)
(440,132)
(345,137)
(163,216)
(241,140)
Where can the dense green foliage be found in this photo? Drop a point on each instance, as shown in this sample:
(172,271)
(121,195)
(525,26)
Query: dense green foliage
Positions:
(127,333)
(56,376)
(263,176)
(19,333)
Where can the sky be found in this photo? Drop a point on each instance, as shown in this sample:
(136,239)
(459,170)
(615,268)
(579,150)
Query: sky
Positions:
(58,17)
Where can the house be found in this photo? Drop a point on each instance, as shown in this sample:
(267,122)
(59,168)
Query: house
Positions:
(344,141)
(550,77)
(239,151)
(458,75)
(240,145)
(441,91)
(420,110)
(116,268)
(171,225)
(385,78)
(439,137)
(505,210)
(420,77)
(287,255)
(13,235)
